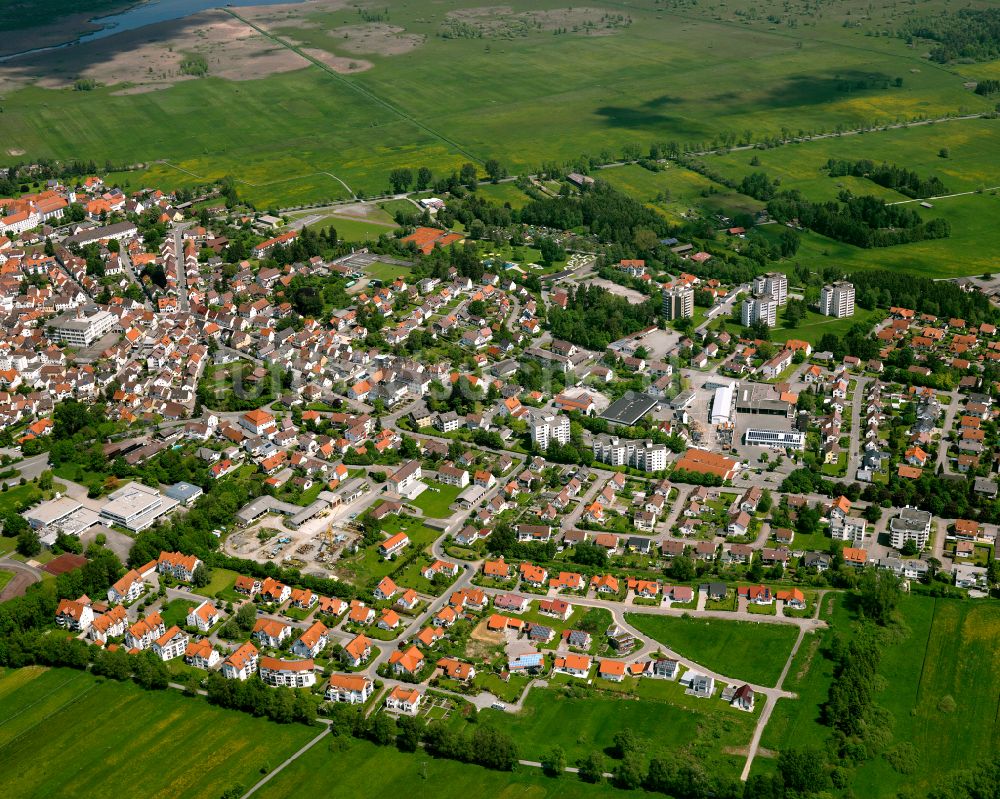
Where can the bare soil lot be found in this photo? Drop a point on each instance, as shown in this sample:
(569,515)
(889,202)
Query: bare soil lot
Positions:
(150,58)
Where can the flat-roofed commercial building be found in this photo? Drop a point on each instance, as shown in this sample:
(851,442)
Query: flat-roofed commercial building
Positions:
(136,506)
(781,439)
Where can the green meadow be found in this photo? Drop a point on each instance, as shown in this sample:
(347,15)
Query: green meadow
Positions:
(666,720)
(64,733)
(947,650)
(738,649)
(356,768)
(656,74)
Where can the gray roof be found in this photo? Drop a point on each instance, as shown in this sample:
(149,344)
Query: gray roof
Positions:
(630,408)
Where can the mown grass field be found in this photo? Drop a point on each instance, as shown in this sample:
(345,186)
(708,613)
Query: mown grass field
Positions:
(667,721)
(435,501)
(523,99)
(741,650)
(363,769)
(503,194)
(64,733)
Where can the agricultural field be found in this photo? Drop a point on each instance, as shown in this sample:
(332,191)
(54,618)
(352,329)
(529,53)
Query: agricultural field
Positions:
(968,251)
(187,747)
(666,720)
(970,165)
(301,96)
(742,650)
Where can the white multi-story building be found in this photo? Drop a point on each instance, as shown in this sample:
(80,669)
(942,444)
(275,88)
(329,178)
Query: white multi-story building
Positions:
(678,302)
(84,326)
(837,299)
(911,525)
(639,454)
(780,439)
(774,284)
(759,309)
(546,428)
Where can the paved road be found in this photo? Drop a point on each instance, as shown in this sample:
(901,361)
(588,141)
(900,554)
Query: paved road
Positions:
(854,456)
(29,469)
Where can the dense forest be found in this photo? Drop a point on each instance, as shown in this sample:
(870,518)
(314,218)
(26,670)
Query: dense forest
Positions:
(890,176)
(609,214)
(971,34)
(594,317)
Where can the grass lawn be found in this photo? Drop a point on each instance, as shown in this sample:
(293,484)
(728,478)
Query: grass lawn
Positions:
(5,577)
(435,501)
(18,498)
(187,747)
(814,325)
(503,193)
(351,229)
(392,206)
(581,724)
(359,768)
(509,691)
(386,272)
(221,583)
(742,650)
(7,545)
(368,567)
(175,612)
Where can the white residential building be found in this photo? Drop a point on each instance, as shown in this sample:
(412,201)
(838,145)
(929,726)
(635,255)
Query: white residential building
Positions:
(911,525)
(549,427)
(678,302)
(837,299)
(287,673)
(774,284)
(759,309)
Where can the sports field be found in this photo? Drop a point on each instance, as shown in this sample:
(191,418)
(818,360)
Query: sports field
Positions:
(742,650)
(440,85)
(64,733)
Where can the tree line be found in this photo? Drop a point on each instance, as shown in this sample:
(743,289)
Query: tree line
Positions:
(970,33)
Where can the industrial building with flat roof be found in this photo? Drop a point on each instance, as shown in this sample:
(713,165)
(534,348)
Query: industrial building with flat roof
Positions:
(136,506)
(628,410)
